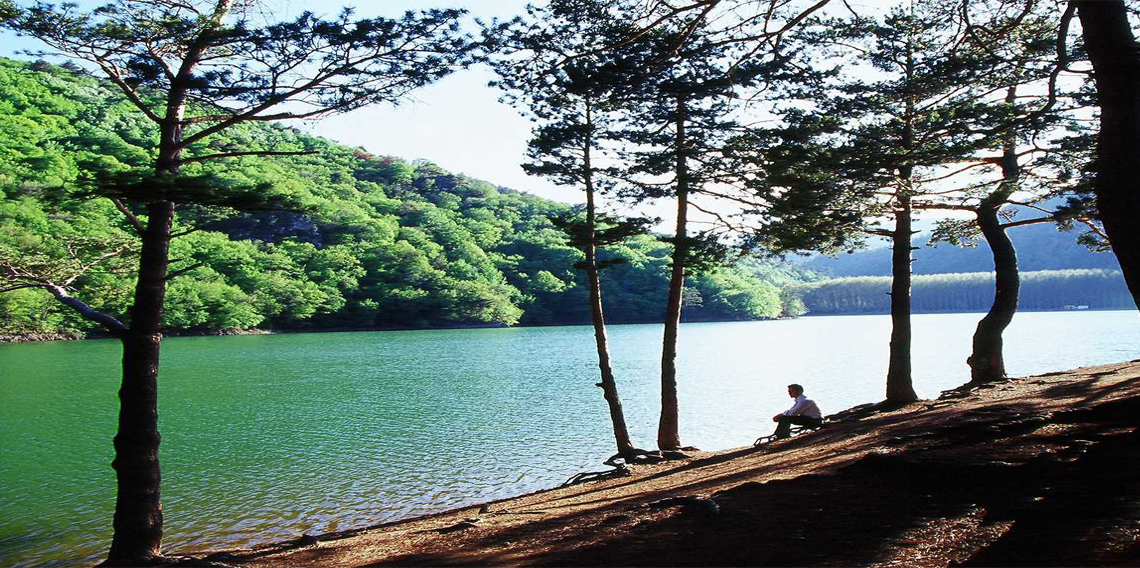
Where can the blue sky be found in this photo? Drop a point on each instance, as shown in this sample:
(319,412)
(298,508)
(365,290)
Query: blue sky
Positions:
(457,123)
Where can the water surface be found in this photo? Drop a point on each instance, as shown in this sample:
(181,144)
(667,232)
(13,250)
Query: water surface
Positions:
(268,437)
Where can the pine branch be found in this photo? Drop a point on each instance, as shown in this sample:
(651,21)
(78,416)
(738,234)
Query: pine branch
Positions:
(131,218)
(114,326)
(239,154)
(183,271)
(25,280)
(1027,222)
(83,269)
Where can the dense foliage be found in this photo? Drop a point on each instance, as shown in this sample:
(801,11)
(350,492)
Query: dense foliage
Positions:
(371,241)
(378,242)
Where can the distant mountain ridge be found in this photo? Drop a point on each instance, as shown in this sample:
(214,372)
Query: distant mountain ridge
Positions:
(1039,247)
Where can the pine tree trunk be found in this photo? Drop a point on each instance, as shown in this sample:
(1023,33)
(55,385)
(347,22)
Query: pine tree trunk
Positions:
(986,361)
(1116,64)
(900,389)
(668,429)
(138,506)
(609,385)
(138,510)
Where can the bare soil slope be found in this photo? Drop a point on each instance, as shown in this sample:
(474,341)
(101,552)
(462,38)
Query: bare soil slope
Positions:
(1036,471)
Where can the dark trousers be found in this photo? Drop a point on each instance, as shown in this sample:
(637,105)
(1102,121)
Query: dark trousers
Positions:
(784,428)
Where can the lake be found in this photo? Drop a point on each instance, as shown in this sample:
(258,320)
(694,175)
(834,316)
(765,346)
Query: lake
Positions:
(267,437)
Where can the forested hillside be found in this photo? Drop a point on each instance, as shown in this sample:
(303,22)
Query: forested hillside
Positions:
(339,238)
(334,238)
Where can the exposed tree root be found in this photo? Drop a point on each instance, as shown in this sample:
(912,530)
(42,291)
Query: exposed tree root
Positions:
(620,470)
(795,431)
(620,463)
(638,456)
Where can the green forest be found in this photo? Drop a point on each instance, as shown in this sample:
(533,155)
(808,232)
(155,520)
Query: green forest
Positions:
(970,292)
(358,241)
(152,182)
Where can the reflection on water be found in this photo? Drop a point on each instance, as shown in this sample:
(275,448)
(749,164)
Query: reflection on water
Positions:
(267,437)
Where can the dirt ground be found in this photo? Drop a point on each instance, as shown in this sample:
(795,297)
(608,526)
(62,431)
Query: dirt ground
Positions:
(1035,471)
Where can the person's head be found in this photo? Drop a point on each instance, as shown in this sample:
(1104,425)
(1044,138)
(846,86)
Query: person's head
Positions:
(795,390)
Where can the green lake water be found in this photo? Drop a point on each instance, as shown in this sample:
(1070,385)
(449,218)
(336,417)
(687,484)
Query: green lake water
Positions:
(267,437)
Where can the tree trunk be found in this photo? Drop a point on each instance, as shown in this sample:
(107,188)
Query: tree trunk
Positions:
(668,429)
(900,389)
(138,507)
(138,510)
(986,361)
(1115,58)
(609,385)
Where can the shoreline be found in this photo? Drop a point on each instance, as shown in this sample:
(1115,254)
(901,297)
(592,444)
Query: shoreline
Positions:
(80,336)
(962,457)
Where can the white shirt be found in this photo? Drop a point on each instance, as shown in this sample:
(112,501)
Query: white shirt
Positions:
(804,407)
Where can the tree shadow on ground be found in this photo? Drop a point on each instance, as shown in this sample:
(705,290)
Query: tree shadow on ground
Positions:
(1030,483)
(1044,509)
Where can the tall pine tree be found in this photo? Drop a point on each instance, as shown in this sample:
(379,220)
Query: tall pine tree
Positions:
(195,69)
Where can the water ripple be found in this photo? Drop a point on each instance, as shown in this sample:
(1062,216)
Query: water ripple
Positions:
(268,437)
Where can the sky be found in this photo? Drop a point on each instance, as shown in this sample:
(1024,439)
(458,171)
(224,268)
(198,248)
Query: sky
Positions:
(457,122)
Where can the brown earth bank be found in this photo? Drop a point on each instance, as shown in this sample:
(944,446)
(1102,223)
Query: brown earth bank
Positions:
(1034,471)
(45,336)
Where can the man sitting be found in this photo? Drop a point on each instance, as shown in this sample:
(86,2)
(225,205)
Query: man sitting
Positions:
(803,413)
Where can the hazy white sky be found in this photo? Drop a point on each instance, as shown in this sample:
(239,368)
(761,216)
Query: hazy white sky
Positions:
(457,123)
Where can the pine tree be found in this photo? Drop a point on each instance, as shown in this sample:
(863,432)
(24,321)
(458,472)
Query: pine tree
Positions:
(1111,46)
(195,69)
(554,67)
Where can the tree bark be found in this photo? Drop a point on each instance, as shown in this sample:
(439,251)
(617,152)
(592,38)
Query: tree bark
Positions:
(609,386)
(625,446)
(1115,58)
(986,361)
(138,509)
(900,389)
(668,429)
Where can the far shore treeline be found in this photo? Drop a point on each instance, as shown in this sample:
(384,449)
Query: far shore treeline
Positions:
(373,242)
